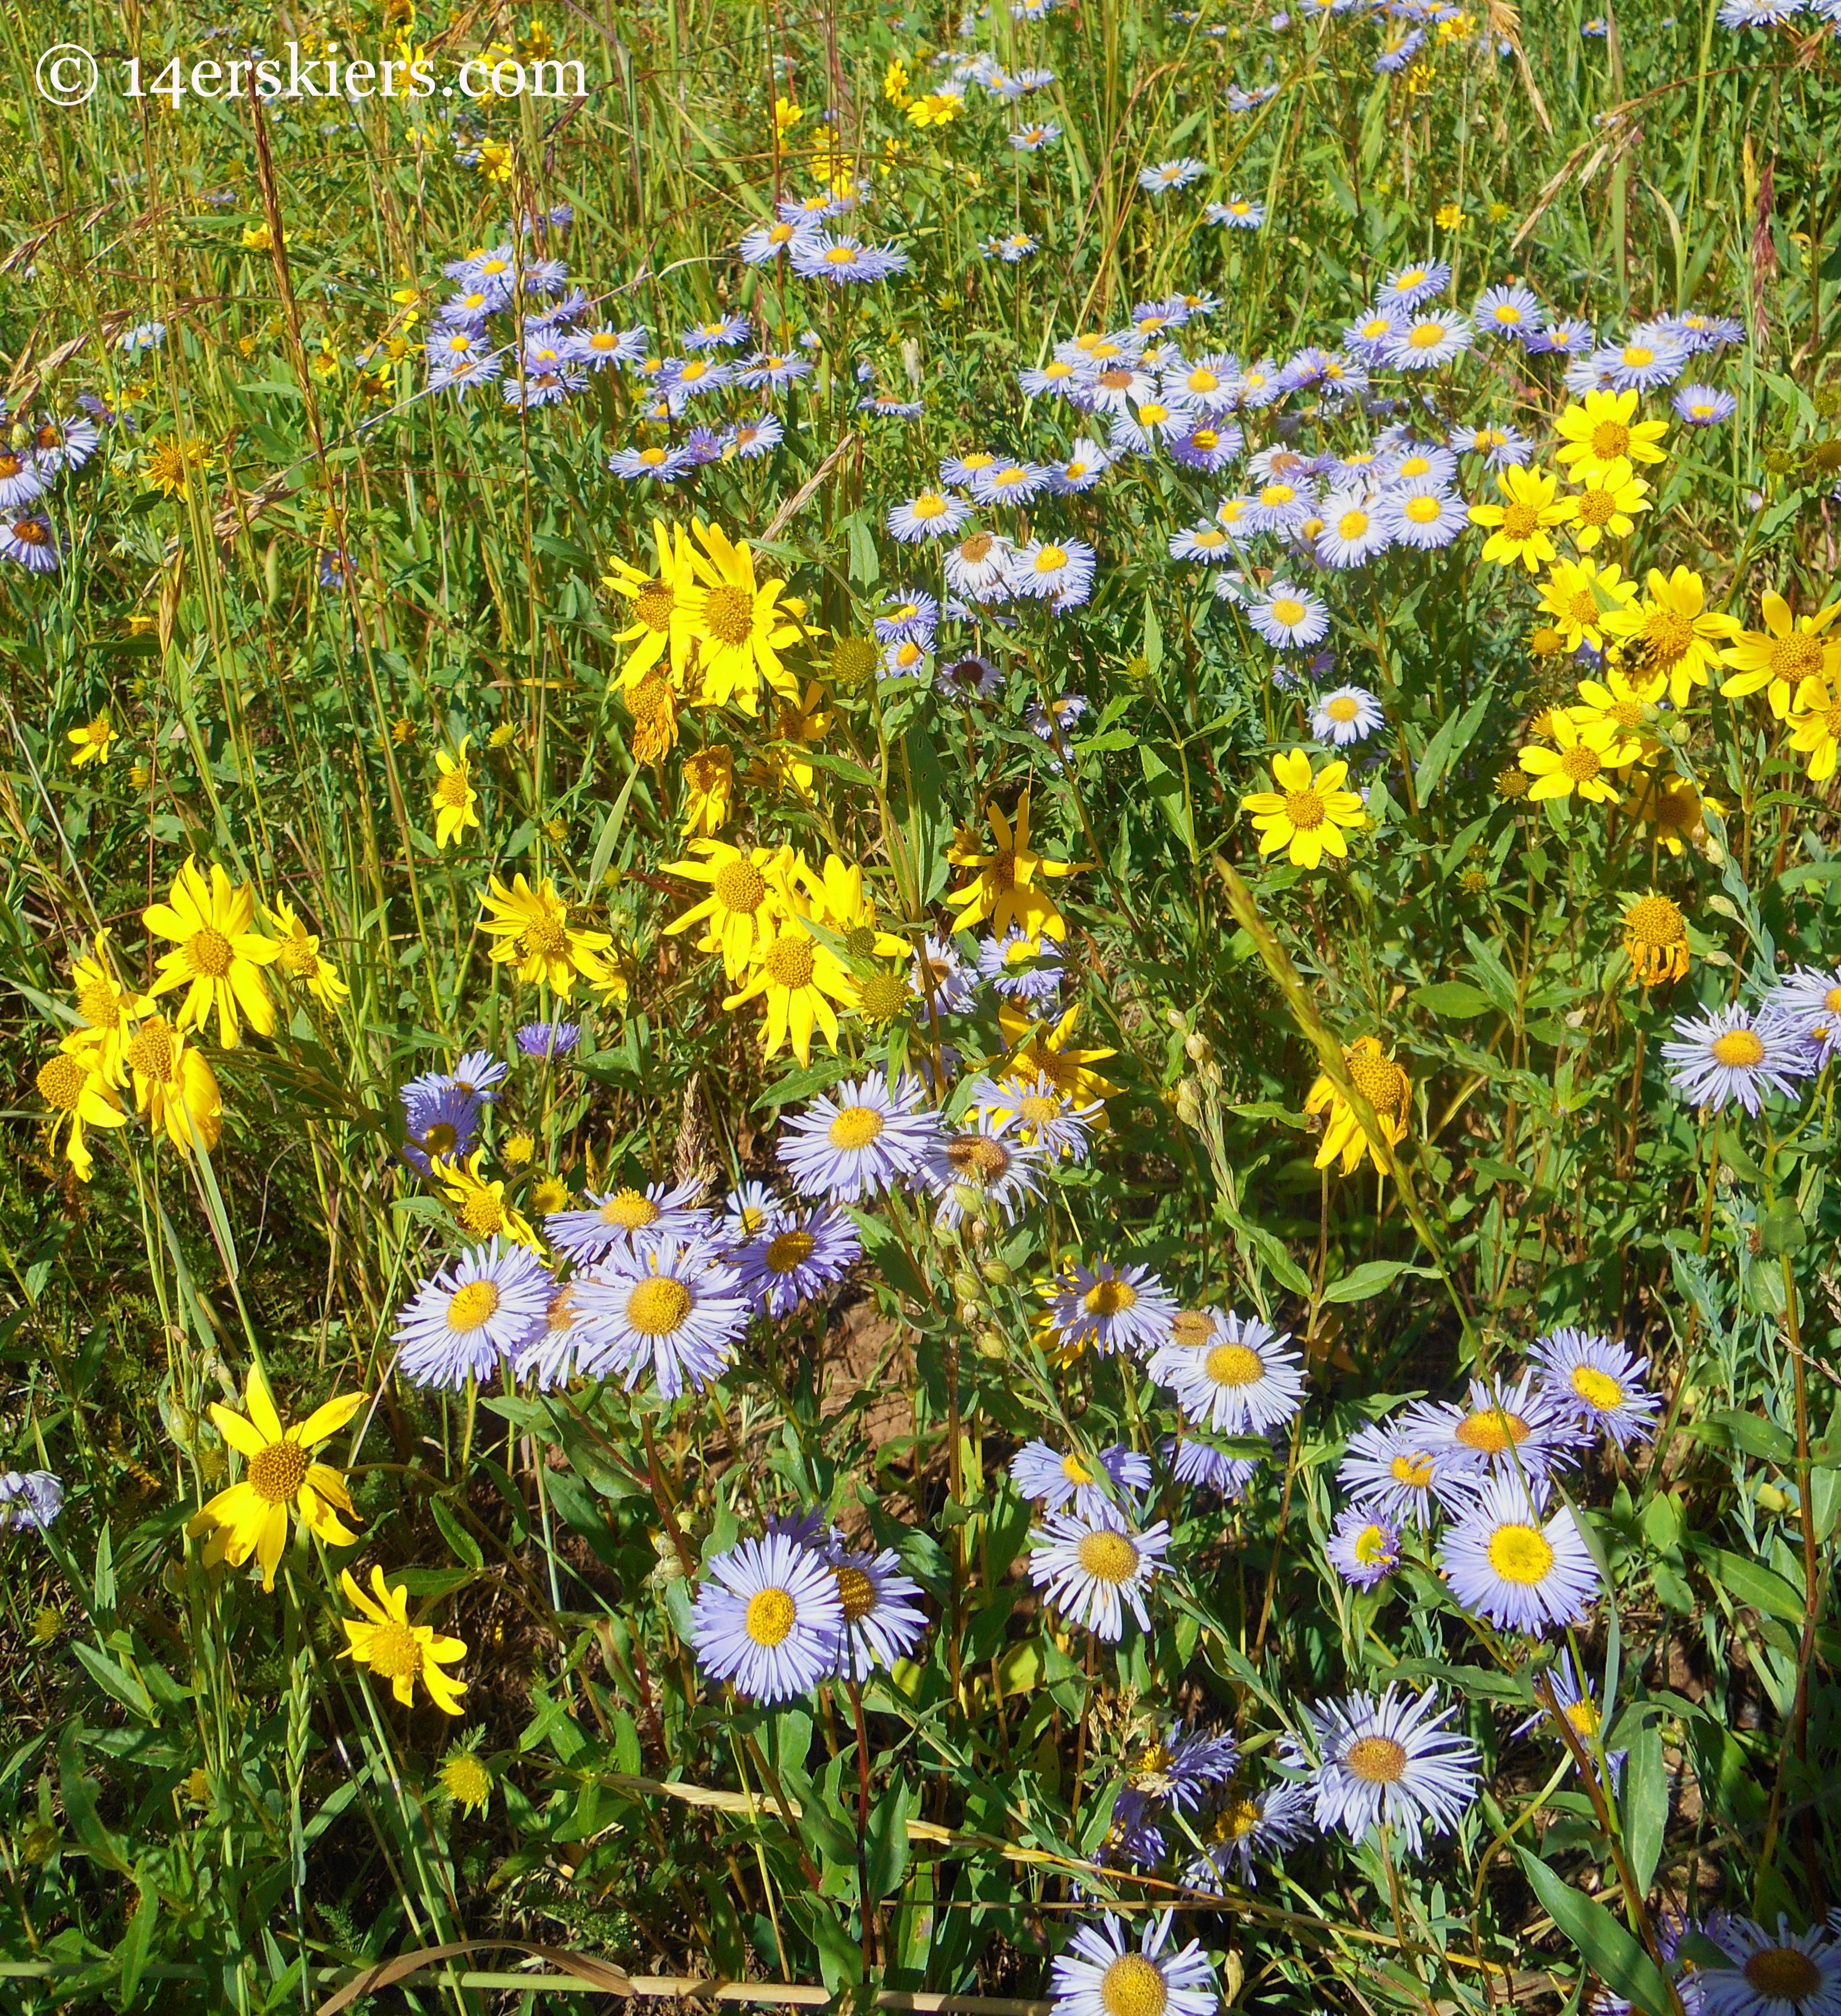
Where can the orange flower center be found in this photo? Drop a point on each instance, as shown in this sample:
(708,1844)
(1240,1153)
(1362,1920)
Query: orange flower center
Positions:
(276,1473)
(1520,521)
(1378,1760)
(209,952)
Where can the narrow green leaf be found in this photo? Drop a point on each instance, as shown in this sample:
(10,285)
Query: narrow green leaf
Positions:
(1611,1953)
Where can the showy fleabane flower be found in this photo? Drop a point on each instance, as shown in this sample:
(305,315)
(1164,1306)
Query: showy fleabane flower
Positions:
(1509,1560)
(769,1617)
(1105,1972)
(1392,1760)
(1240,1380)
(1093,1571)
(279,1475)
(1602,1385)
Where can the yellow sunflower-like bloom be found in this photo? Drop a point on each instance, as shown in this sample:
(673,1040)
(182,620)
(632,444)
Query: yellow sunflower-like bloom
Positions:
(91,742)
(454,798)
(799,977)
(1037,1051)
(1386,1087)
(220,958)
(1576,598)
(1624,701)
(531,931)
(1654,940)
(744,903)
(481,1206)
(1005,889)
(251,1517)
(845,906)
(1519,527)
(709,784)
(1672,806)
(1306,814)
(397,1650)
(299,955)
(174,1086)
(1579,762)
(656,627)
(1674,631)
(1779,658)
(1815,725)
(109,1010)
(737,624)
(796,723)
(1606,505)
(1603,431)
(71,1082)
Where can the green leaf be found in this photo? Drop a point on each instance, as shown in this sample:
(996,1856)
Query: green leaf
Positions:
(1645,1802)
(887,1842)
(1453,1000)
(462,1545)
(1370,1278)
(1166,787)
(609,834)
(137,1942)
(1757,1587)
(80,1803)
(1611,1953)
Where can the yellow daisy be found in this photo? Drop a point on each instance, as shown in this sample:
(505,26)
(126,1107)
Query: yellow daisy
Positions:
(1386,1087)
(1604,505)
(531,930)
(1815,725)
(1672,806)
(1674,631)
(1579,761)
(656,627)
(1625,702)
(799,978)
(744,903)
(1779,658)
(1306,814)
(174,1086)
(397,1650)
(1603,431)
(299,955)
(91,742)
(1519,527)
(481,1206)
(737,624)
(1576,598)
(845,906)
(109,1010)
(71,1082)
(1037,1051)
(709,783)
(220,958)
(251,1517)
(454,798)
(1005,889)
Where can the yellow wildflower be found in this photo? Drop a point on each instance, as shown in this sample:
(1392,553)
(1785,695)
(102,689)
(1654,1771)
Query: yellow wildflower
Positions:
(1602,431)
(1584,754)
(1654,940)
(799,977)
(1004,888)
(174,1087)
(480,1206)
(1674,630)
(1037,1051)
(71,1083)
(744,906)
(656,625)
(709,783)
(531,930)
(397,1650)
(736,623)
(1306,814)
(91,742)
(454,798)
(220,958)
(1779,658)
(1610,496)
(1815,725)
(299,957)
(1576,598)
(1519,527)
(109,1010)
(1386,1087)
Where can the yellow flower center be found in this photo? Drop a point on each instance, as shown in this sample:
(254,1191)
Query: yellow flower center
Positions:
(1609,440)
(543,938)
(1352,524)
(1832,1000)
(276,1473)
(1107,1299)
(1191,1327)
(1341,708)
(728,615)
(1584,1717)
(482,1214)
(1638,356)
(1521,1554)
(790,960)
(1782,1974)
(1796,658)
(394,1652)
(298,955)
(1202,380)
(1133,1986)
(658,1306)
(855,1127)
(1277,493)
(1050,559)
(653,605)
(152,1052)
(440,1139)
(740,888)
(465,1779)
(1236,1819)
(1371,1545)
(1075,1469)
(1378,1760)
(1234,1365)
(927,506)
(1491,1430)
(1289,611)
(1426,335)
(770,1617)
(1596,507)
(1580,762)
(97,1004)
(883,996)
(1108,1557)
(1667,636)
(1520,521)
(1422,510)
(789,1250)
(61,1080)
(841,255)
(629,1209)
(1596,1388)
(1414,1471)
(856,1592)
(1738,1046)
(472,1306)
(1655,922)
(1036,1110)
(1381,1082)
(1305,810)
(452,789)
(209,952)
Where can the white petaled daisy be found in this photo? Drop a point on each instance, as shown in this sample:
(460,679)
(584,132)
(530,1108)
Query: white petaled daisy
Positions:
(1508,1562)
(1364,1548)
(1353,531)
(1426,516)
(479,1311)
(796,1258)
(1350,714)
(1424,342)
(1113,1309)
(1246,1824)
(982,1168)
(1780,1973)
(1414,464)
(1045,1116)
(626,1217)
(1040,1471)
(1728,1055)
(1241,1380)
(1509,311)
(1094,1570)
(1575,1703)
(1410,285)
(1009,482)
(1806,1002)
(1238,213)
(977,566)
(1104,1974)
(1599,1382)
(675,1307)
(1498,1427)
(1651,357)
(1395,1472)
(929,515)
(1287,617)
(1178,174)
(1206,542)
(882,1621)
(1059,570)
(768,1617)
(1279,506)
(1391,1760)
(550,1360)
(866,1136)
(748,1208)
(1086,463)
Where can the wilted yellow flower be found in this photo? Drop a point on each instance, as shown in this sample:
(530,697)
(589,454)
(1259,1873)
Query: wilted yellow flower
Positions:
(71,1083)
(91,742)
(709,782)
(454,798)
(174,1086)
(298,955)
(1654,940)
